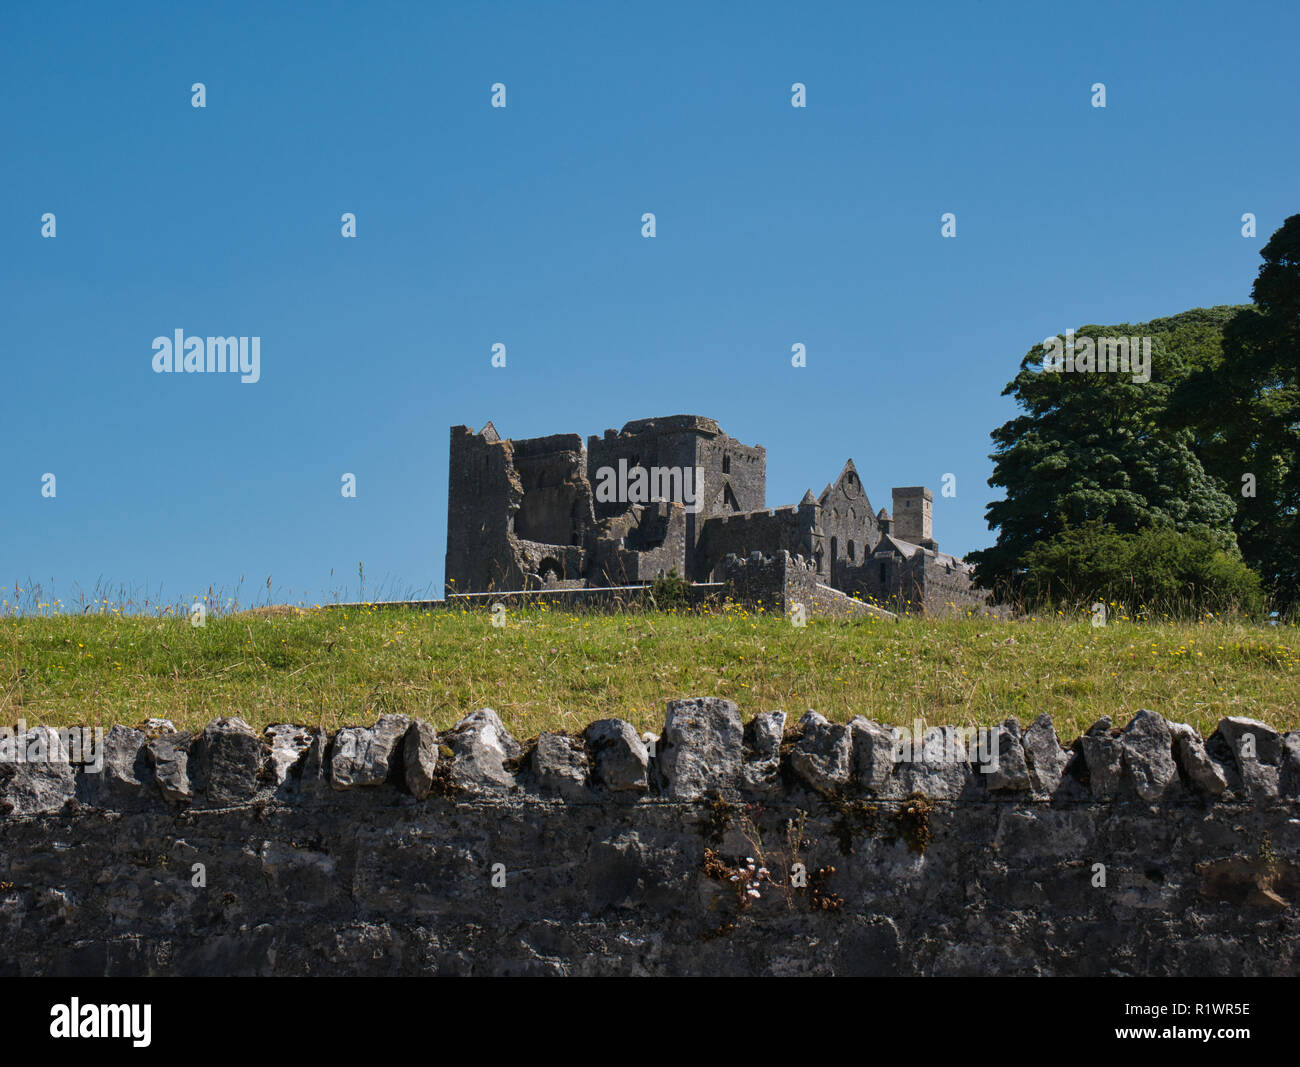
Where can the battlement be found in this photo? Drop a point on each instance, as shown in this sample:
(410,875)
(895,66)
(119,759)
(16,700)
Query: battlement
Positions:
(737,518)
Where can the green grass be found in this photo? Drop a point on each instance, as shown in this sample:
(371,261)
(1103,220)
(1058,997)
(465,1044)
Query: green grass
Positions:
(552,669)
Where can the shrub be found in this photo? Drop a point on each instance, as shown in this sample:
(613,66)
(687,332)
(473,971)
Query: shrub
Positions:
(1157,568)
(670,590)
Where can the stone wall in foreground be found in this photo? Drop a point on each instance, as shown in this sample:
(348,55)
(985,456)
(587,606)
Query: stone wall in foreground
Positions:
(718,847)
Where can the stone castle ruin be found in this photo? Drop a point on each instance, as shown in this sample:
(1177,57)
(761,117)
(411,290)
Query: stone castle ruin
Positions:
(678,494)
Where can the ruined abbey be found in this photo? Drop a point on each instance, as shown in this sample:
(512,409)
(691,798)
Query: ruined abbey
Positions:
(678,494)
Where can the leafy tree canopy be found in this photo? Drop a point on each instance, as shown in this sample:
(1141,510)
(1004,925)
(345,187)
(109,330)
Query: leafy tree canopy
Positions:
(1243,406)
(1098,447)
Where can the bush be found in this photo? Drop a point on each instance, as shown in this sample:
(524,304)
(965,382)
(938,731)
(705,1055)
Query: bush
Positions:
(670,590)
(1158,568)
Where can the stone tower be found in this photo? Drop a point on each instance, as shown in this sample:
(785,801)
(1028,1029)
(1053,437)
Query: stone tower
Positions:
(732,476)
(913,515)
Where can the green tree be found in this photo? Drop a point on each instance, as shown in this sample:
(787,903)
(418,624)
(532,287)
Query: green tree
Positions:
(1244,407)
(1097,447)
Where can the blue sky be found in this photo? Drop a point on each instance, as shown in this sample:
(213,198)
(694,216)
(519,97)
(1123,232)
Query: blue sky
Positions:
(522,225)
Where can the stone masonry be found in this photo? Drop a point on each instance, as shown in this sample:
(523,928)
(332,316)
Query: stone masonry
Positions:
(530,514)
(718,847)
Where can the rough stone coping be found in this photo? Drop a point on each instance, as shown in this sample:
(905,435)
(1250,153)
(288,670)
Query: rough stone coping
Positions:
(705,751)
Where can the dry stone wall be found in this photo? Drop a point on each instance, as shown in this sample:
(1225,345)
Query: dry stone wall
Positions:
(716,847)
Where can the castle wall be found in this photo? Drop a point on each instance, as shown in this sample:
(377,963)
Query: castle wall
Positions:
(895,582)
(849,528)
(923,583)
(483,493)
(640,545)
(947,588)
(648,445)
(778,582)
(557,503)
(733,476)
(545,563)
(767,532)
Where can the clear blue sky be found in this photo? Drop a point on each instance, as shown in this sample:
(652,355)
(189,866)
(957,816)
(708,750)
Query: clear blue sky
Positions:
(477,225)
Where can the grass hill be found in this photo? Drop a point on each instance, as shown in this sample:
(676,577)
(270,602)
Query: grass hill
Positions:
(553,669)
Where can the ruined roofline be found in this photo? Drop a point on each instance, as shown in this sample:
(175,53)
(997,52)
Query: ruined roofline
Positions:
(488,434)
(700,423)
(552,443)
(657,424)
(901,546)
(931,553)
(529,446)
